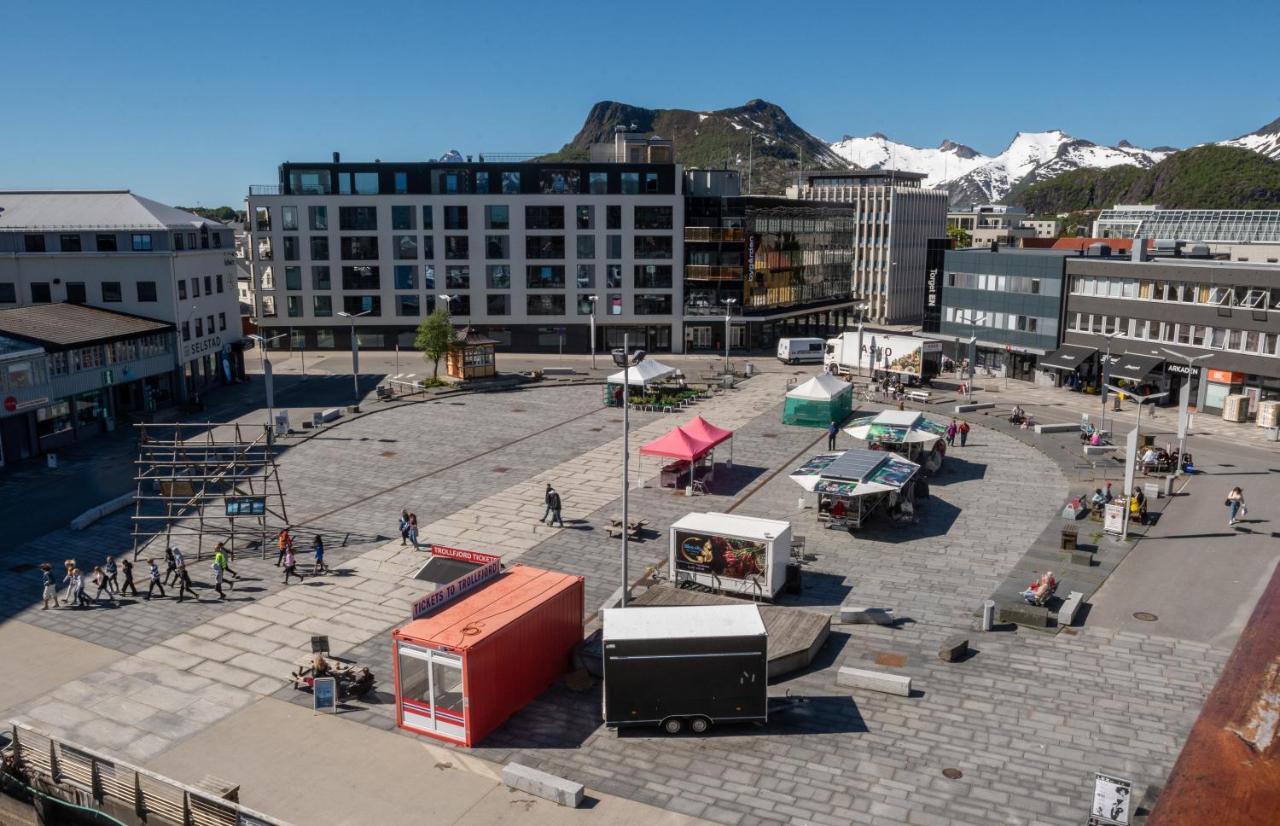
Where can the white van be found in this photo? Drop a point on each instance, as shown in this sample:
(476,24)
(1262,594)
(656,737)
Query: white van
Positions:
(793,350)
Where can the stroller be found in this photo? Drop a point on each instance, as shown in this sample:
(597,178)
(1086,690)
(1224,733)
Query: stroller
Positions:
(1188,466)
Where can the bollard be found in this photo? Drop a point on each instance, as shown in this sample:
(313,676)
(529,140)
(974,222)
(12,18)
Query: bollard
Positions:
(988,614)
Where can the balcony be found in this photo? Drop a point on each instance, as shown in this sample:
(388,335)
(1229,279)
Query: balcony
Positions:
(713,234)
(711,272)
(265,189)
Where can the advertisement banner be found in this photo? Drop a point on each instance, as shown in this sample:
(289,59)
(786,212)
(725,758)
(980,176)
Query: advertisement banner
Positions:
(488,567)
(934,257)
(723,556)
(464,555)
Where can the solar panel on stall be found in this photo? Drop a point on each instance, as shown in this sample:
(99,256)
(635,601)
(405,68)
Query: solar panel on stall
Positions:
(854,465)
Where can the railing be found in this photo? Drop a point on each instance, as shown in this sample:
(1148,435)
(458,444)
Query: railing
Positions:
(80,771)
(713,234)
(266,189)
(712,272)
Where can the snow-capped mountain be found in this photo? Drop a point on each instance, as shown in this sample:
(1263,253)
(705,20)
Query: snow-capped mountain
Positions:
(973,177)
(1265,140)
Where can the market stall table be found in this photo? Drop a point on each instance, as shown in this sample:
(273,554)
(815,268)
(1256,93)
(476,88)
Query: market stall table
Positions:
(852,485)
(903,431)
(818,402)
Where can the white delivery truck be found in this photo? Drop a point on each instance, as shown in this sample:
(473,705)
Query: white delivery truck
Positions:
(909,359)
(795,350)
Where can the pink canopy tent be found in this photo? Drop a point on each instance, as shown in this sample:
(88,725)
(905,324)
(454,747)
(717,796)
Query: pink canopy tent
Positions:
(707,432)
(678,444)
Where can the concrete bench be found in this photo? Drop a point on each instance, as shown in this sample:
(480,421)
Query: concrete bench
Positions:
(329,415)
(919,395)
(874,681)
(1058,427)
(1036,616)
(856,615)
(92,515)
(559,371)
(1097,450)
(1067,613)
(954,648)
(969,408)
(541,784)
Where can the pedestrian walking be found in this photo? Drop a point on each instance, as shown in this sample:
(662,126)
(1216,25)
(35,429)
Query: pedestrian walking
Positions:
(413,530)
(284,542)
(554,504)
(546,500)
(317,547)
(127,567)
(832,430)
(109,568)
(217,579)
(170,566)
(964,433)
(220,562)
(184,584)
(153,576)
(77,582)
(179,558)
(49,586)
(70,581)
(1235,506)
(404,527)
(290,566)
(102,583)
(951,433)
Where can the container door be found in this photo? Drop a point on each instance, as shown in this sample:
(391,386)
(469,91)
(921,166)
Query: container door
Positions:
(446,691)
(431,698)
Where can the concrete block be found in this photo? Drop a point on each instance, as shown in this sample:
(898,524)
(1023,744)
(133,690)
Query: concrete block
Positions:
(856,615)
(1079,557)
(1036,616)
(541,784)
(329,415)
(1097,450)
(95,513)
(1067,613)
(953,648)
(969,408)
(874,681)
(1058,427)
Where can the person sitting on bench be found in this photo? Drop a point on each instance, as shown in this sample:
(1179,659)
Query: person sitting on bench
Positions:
(1017,415)
(1098,499)
(1038,592)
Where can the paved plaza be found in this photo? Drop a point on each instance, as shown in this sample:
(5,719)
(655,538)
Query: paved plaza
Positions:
(1026,719)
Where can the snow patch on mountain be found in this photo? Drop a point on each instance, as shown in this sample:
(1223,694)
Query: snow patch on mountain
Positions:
(1265,140)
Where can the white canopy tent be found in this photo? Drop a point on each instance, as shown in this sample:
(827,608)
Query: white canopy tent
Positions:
(820,388)
(643,374)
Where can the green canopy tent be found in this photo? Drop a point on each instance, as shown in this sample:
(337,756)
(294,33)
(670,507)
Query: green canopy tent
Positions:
(818,402)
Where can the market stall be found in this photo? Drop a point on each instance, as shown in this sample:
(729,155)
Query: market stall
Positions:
(853,485)
(693,459)
(706,431)
(644,375)
(905,432)
(480,655)
(741,554)
(818,402)
(472,356)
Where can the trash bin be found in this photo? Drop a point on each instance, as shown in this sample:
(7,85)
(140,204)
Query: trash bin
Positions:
(52,458)
(1070,534)
(751,370)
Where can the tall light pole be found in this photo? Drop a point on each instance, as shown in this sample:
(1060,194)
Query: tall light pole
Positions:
(1105,377)
(355,352)
(973,347)
(861,307)
(728,317)
(1131,460)
(593,299)
(626,361)
(1184,402)
(267,379)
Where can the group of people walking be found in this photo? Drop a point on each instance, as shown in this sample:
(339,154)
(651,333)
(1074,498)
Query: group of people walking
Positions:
(287,557)
(960,429)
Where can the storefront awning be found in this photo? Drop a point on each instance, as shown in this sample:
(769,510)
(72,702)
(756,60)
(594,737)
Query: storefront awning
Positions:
(1134,366)
(1067,357)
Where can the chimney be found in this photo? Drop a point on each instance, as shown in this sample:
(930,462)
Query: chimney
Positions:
(337,158)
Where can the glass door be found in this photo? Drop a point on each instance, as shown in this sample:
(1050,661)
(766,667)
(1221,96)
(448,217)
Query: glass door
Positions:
(431,693)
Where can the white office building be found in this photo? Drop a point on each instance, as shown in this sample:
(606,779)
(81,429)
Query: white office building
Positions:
(895,218)
(118,251)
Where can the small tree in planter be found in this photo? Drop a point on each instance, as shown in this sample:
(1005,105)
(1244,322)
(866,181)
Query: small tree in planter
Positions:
(435,337)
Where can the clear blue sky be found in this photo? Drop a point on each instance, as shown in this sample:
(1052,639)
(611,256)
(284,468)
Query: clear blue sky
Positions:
(192,102)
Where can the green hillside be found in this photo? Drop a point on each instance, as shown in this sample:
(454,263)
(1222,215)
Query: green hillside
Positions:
(1206,177)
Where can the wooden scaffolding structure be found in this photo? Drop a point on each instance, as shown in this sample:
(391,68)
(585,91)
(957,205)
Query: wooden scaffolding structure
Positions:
(203,484)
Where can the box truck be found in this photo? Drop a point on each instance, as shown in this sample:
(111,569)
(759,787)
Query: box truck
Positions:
(907,358)
(685,666)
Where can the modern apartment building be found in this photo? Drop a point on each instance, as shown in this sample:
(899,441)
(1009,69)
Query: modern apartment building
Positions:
(998,224)
(894,217)
(128,254)
(525,253)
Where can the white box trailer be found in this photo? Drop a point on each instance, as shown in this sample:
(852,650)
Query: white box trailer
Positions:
(740,554)
(911,359)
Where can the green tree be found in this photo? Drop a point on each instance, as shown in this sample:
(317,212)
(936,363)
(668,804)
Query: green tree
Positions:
(435,337)
(961,236)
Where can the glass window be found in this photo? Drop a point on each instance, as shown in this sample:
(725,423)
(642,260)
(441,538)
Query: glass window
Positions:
(598,183)
(310,182)
(457,278)
(586,246)
(455,217)
(426,217)
(651,182)
(325,338)
(656,246)
(497,246)
(552,304)
(428,246)
(141,242)
(318,217)
(482,182)
(361,278)
(498,276)
(613,276)
(406,277)
(510,183)
(356,304)
(182,284)
(613,246)
(320,278)
(319,248)
(360,247)
(293,305)
(544,276)
(653,217)
(653,304)
(586,275)
(366,183)
(34,242)
(429,276)
(357,218)
(586,217)
(497,216)
(322,305)
(630,183)
(543,217)
(613,216)
(544,246)
(288,217)
(614,301)
(585,305)
(268,311)
(456,247)
(402,217)
(408,305)
(146,291)
(291,252)
(402,185)
(69,243)
(498,304)
(111,292)
(77,293)
(405,246)
(106,242)
(293,278)
(559,181)
(653,276)
(8,292)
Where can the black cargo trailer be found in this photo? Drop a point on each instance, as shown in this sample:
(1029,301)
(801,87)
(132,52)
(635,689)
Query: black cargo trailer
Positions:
(685,665)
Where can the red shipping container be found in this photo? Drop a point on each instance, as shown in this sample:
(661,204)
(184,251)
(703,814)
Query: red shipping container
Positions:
(462,671)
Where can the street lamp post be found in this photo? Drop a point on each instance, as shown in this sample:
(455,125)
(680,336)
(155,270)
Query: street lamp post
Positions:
(1105,378)
(728,316)
(973,348)
(1184,402)
(355,352)
(267,380)
(626,361)
(1131,460)
(593,299)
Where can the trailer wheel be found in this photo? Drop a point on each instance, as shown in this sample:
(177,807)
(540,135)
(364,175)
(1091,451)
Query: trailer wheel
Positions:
(699,725)
(673,725)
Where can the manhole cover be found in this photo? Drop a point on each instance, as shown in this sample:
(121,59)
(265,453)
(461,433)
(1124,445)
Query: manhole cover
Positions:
(1145,616)
(515,410)
(768,435)
(501,469)
(387,454)
(594,429)
(889,660)
(952,774)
